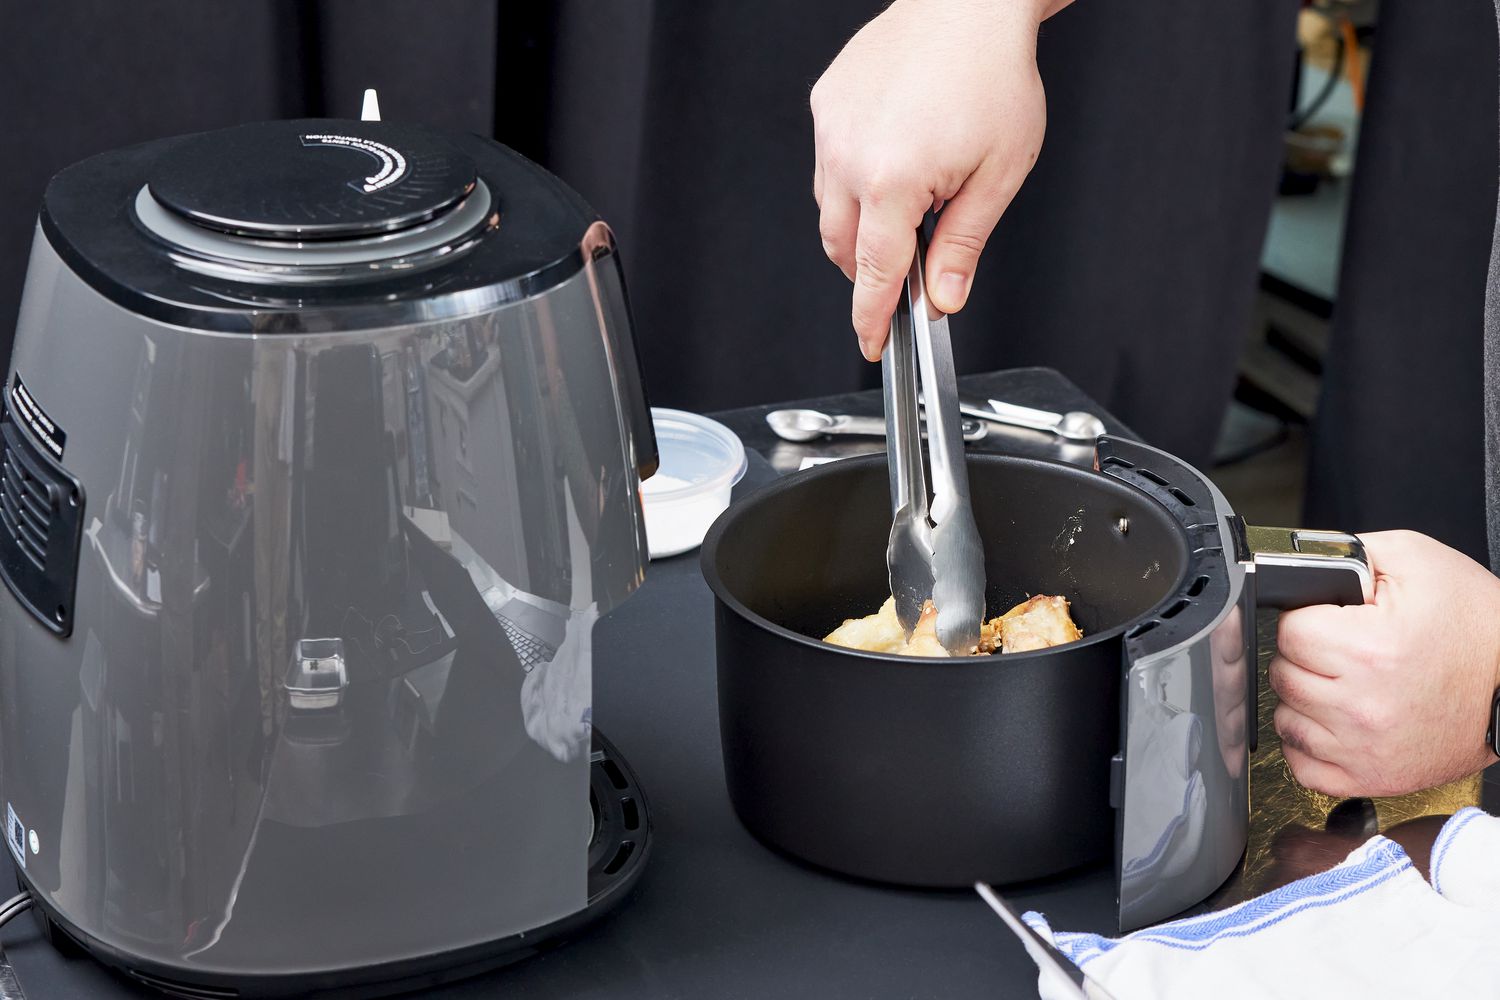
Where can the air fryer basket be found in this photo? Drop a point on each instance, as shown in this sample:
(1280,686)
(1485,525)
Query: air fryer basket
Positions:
(940,772)
(930,772)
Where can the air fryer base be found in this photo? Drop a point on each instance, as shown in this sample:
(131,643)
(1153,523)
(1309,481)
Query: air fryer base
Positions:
(617,855)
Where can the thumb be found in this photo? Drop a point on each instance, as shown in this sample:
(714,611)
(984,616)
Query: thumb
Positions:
(963,229)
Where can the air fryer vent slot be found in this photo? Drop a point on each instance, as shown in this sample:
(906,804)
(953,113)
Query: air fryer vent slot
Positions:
(1182,496)
(25,509)
(41,522)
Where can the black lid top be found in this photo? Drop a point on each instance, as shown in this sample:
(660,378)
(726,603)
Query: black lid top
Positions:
(261,210)
(304,180)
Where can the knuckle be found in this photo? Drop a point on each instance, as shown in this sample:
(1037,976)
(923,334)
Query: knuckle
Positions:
(1289,731)
(1373,716)
(968,244)
(1375,653)
(1296,762)
(831,159)
(1286,690)
(873,270)
(1289,634)
(887,182)
(831,235)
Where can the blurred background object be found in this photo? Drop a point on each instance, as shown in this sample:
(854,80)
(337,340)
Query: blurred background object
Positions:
(1180,250)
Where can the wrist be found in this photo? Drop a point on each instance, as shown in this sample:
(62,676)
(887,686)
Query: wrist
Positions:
(1009,15)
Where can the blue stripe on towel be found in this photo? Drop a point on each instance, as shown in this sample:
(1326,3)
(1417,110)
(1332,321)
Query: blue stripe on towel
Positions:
(1445,838)
(1316,903)
(1384,860)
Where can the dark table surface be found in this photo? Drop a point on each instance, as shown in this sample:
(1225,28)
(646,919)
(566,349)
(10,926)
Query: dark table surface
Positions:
(717,914)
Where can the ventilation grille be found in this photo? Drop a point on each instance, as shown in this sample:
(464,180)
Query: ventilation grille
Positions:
(26,508)
(41,527)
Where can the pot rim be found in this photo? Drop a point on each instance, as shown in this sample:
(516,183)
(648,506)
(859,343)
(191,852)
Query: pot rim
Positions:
(708,558)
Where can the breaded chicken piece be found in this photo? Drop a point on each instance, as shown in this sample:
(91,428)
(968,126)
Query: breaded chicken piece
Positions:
(882,633)
(877,633)
(1039,623)
(924,640)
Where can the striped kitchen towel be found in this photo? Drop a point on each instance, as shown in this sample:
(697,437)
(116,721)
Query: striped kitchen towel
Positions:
(1369,927)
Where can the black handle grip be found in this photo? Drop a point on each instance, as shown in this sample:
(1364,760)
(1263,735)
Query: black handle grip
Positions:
(1297,568)
(1286,587)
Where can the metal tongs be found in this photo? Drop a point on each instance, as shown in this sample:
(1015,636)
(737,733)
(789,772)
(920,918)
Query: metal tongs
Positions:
(934,550)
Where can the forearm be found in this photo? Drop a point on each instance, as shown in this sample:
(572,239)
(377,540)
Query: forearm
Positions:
(1008,12)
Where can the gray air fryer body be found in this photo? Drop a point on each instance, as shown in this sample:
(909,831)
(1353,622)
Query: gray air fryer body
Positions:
(322,446)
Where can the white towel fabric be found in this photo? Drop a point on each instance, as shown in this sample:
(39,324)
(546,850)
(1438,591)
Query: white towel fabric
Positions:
(1370,927)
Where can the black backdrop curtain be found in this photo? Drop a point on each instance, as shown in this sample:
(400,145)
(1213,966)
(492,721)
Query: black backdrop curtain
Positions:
(1399,437)
(1128,261)
(78,77)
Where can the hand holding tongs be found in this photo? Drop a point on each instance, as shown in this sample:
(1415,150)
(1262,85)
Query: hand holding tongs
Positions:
(934,551)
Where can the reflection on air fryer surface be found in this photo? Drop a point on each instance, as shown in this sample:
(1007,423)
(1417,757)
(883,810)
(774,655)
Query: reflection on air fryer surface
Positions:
(1041,622)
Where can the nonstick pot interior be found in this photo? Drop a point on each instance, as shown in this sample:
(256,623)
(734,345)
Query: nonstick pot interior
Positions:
(929,772)
(809,552)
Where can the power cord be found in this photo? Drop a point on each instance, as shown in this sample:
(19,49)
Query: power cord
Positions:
(17,904)
(10,986)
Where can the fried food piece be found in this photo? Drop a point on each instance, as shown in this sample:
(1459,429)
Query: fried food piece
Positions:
(989,638)
(882,633)
(924,640)
(1039,623)
(877,633)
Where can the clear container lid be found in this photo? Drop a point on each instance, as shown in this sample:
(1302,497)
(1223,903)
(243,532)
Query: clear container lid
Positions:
(699,458)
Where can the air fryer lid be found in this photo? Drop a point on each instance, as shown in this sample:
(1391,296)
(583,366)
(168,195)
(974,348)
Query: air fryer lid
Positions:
(300,180)
(317,224)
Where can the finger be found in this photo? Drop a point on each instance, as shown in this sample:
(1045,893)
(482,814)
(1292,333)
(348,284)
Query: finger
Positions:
(1325,639)
(1319,775)
(1388,550)
(1312,694)
(1306,735)
(1391,547)
(818,183)
(886,241)
(963,229)
(838,224)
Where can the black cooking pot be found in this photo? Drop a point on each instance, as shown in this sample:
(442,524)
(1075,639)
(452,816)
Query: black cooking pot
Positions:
(935,772)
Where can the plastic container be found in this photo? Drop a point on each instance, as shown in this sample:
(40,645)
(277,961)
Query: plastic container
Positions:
(700,461)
